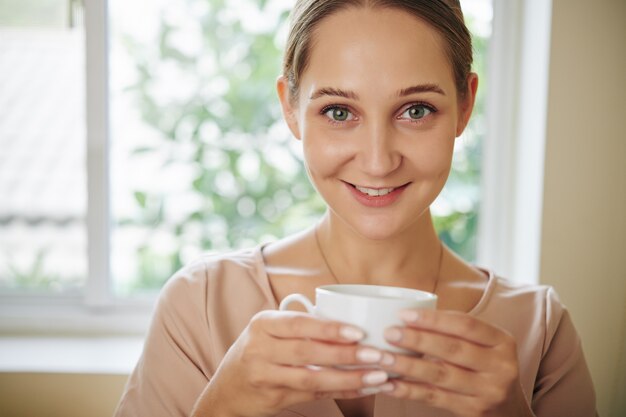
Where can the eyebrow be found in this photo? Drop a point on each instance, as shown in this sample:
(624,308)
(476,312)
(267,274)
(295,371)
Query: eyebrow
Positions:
(337,92)
(421,88)
(329,91)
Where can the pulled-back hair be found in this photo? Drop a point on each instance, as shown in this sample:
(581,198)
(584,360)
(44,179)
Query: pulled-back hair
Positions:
(445,16)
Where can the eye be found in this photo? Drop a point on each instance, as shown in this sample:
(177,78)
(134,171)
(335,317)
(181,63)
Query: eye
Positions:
(417,112)
(338,114)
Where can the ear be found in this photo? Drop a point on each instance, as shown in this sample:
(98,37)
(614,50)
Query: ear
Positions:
(466,104)
(286,103)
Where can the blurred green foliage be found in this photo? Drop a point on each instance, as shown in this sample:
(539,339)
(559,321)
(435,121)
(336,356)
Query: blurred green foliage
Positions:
(249,178)
(36,278)
(34,13)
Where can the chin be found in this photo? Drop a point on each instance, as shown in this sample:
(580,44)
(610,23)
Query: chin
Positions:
(378,227)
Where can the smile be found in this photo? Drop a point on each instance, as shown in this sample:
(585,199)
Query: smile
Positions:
(374,192)
(376,197)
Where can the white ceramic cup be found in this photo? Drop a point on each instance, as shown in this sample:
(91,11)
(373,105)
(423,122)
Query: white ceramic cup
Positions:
(372,308)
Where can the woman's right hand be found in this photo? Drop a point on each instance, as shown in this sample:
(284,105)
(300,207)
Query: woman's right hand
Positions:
(269,367)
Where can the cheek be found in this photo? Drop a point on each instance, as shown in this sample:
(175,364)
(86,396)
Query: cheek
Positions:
(431,154)
(325,155)
(439,157)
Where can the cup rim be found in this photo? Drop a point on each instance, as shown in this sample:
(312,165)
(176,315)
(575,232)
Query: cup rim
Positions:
(425,295)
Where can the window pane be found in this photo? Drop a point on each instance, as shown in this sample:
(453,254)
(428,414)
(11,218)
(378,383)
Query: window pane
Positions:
(42,147)
(456,210)
(201,159)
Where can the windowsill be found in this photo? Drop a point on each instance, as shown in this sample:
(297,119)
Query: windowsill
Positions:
(53,316)
(82,355)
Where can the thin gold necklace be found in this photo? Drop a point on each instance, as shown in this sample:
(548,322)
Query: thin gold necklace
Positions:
(332,273)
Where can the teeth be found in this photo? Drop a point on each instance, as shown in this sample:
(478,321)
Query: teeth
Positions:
(374,192)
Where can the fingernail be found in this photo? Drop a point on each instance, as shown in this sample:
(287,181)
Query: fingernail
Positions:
(375,378)
(387,359)
(370,391)
(351,333)
(388,387)
(368,355)
(409,315)
(393,334)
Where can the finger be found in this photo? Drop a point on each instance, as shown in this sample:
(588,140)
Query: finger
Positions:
(451,349)
(343,395)
(431,396)
(455,323)
(437,373)
(301,352)
(322,379)
(289,324)
(296,396)
(286,397)
(364,392)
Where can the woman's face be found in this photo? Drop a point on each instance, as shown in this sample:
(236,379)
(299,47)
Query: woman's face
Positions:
(378,114)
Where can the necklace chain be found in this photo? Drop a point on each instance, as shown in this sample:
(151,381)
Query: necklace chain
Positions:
(332,273)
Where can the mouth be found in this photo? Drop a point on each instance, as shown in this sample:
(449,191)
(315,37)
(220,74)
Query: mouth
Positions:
(376,191)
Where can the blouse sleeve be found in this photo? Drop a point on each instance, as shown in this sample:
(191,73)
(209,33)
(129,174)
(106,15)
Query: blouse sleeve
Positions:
(175,364)
(563,386)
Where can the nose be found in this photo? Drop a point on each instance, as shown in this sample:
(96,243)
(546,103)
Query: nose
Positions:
(378,156)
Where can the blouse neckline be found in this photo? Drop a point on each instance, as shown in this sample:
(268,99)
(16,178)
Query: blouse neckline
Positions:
(263,278)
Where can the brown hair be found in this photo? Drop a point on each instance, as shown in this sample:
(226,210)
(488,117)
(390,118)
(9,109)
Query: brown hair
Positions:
(445,16)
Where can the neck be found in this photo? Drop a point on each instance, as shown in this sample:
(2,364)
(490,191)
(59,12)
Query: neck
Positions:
(408,259)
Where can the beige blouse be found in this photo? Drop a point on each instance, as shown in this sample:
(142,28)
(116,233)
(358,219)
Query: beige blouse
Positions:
(205,306)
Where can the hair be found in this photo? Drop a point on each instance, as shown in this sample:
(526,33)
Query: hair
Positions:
(445,16)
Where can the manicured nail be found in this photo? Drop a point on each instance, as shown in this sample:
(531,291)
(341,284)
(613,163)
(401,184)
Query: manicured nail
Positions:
(370,391)
(393,335)
(409,315)
(351,333)
(368,355)
(387,359)
(375,377)
(388,387)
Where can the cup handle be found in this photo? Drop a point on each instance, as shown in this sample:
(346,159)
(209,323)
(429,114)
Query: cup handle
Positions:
(300,298)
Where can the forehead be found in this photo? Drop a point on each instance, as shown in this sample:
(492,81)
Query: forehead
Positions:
(386,49)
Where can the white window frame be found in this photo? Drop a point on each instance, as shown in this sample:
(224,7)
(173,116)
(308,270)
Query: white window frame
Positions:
(510,225)
(98,140)
(97,312)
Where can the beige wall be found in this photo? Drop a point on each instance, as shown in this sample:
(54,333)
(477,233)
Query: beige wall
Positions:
(59,395)
(584,227)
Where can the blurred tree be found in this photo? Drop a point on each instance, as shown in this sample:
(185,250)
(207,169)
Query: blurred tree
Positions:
(226,124)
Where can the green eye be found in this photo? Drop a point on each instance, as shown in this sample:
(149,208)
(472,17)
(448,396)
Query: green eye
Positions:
(418,112)
(338,114)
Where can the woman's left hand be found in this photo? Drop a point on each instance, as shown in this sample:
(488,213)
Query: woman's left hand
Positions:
(468,367)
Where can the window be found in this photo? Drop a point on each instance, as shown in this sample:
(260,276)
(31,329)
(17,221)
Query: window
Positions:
(43,179)
(189,153)
(199,147)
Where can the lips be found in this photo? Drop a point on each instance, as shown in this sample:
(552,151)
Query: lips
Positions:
(374,192)
(376,196)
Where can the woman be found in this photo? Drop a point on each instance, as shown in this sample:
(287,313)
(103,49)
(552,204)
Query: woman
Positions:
(377,91)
